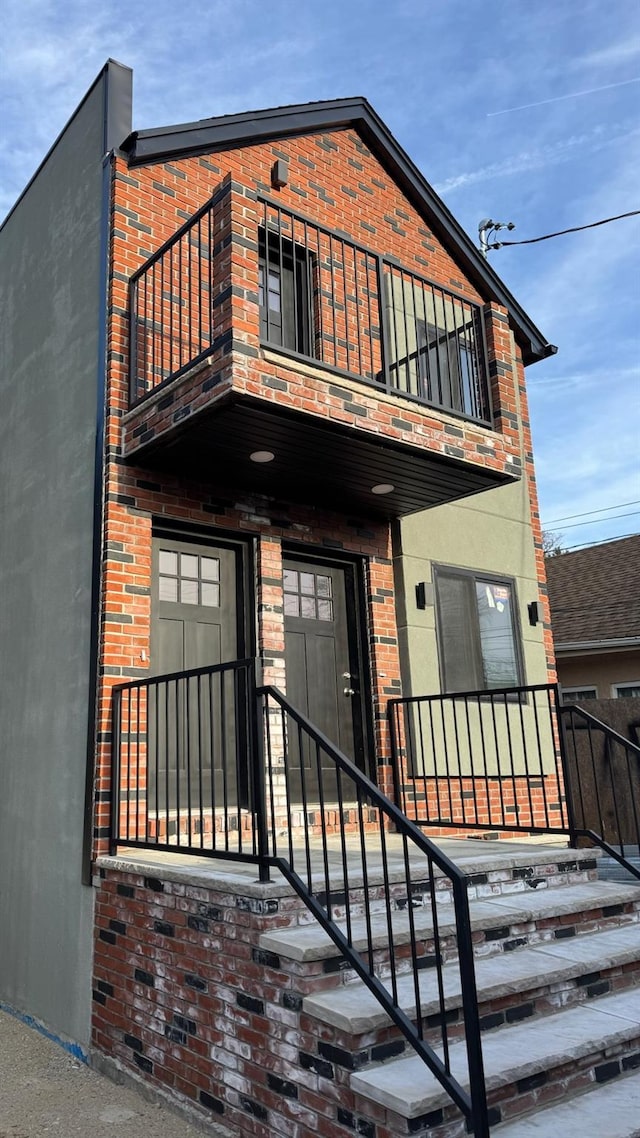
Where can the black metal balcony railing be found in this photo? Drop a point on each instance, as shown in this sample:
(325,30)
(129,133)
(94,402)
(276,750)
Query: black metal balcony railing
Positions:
(171,307)
(323,299)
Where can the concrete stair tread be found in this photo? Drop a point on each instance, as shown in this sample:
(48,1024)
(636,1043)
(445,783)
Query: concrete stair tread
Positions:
(584,1116)
(354,1009)
(310,942)
(407,1087)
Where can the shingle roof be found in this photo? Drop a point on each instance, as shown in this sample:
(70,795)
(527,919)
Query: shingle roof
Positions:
(594,593)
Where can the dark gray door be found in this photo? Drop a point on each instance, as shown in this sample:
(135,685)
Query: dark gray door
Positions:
(321,649)
(193,735)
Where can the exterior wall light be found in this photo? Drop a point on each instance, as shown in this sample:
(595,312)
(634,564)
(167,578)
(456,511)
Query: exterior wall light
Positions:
(279,174)
(533,608)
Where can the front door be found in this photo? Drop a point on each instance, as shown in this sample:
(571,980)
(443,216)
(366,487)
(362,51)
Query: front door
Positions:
(323,660)
(193,733)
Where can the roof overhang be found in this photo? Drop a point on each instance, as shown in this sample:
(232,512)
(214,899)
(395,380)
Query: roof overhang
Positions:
(580,647)
(229,131)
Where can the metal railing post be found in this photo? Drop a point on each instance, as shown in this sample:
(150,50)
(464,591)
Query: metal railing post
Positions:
(256,764)
(566,774)
(384,332)
(471,1014)
(116,729)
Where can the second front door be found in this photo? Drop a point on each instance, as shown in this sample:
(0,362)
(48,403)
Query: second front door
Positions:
(322,655)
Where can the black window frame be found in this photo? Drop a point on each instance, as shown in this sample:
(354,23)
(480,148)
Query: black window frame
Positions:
(476,576)
(294,266)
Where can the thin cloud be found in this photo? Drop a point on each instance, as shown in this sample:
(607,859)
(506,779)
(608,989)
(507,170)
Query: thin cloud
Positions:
(551,154)
(613,55)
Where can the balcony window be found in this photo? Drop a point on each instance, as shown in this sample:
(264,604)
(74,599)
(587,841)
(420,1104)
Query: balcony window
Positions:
(478,641)
(285,276)
(435,345)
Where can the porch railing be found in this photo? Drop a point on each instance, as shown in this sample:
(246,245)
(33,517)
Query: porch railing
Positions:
(183,774)
(516,760)
(293,802)
(323,298)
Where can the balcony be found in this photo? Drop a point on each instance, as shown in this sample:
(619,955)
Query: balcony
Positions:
(255,329)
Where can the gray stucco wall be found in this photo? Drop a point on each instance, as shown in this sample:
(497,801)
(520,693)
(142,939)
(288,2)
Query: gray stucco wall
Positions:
(50,312)
(490,533)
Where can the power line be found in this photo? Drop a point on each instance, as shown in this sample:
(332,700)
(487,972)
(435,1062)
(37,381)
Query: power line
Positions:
(598,521)
(561,232)
(602,541)
(603,510)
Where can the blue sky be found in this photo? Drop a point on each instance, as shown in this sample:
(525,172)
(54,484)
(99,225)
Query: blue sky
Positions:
(454,80)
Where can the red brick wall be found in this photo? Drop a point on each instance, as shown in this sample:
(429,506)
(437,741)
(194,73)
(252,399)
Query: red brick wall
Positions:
(336,180)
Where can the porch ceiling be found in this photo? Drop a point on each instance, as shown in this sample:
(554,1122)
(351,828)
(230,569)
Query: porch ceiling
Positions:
(317,464)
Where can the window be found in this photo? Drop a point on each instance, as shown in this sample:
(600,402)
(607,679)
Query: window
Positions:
(435,345)
(284,293)
(628,690)
(477,631)
(189,578)
(308,595)
(578,695)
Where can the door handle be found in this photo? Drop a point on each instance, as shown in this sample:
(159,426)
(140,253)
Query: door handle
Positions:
(349,691)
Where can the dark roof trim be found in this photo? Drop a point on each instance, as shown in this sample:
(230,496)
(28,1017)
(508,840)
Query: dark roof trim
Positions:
(209,135)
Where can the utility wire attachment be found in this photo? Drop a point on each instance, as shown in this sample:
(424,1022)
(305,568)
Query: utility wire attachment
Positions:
(488,228)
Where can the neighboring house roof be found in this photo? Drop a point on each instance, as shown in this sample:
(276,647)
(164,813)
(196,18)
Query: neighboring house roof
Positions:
(594,595)
(228,131)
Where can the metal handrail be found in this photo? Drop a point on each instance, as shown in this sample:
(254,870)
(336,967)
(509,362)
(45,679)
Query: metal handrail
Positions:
(295,747)
(151,717)
(509,760)
(607,785)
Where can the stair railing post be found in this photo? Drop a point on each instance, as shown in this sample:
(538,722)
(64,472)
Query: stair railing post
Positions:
(478,1124)
(566,776)
(116,736)
(258,782)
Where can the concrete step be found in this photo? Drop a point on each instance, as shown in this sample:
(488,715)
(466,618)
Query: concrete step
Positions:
(530,917)
(612,1110)
(353,1010)
(562,1052)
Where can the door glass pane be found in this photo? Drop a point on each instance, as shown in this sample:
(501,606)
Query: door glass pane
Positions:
(209,568)
(168,562)
(210,594)
(323,586)
(291,604)
(495,620)
(307,584)
(325,609)
(168,589)
(308,607)
(188,565)
(189,592)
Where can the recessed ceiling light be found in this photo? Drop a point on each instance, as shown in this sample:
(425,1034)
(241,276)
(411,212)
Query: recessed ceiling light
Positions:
(262,456)
(383,488)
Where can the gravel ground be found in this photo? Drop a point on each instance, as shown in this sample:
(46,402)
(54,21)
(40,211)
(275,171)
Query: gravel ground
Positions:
(45,1091)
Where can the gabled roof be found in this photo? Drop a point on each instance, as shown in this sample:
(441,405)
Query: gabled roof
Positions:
(223,133)
(594,593)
